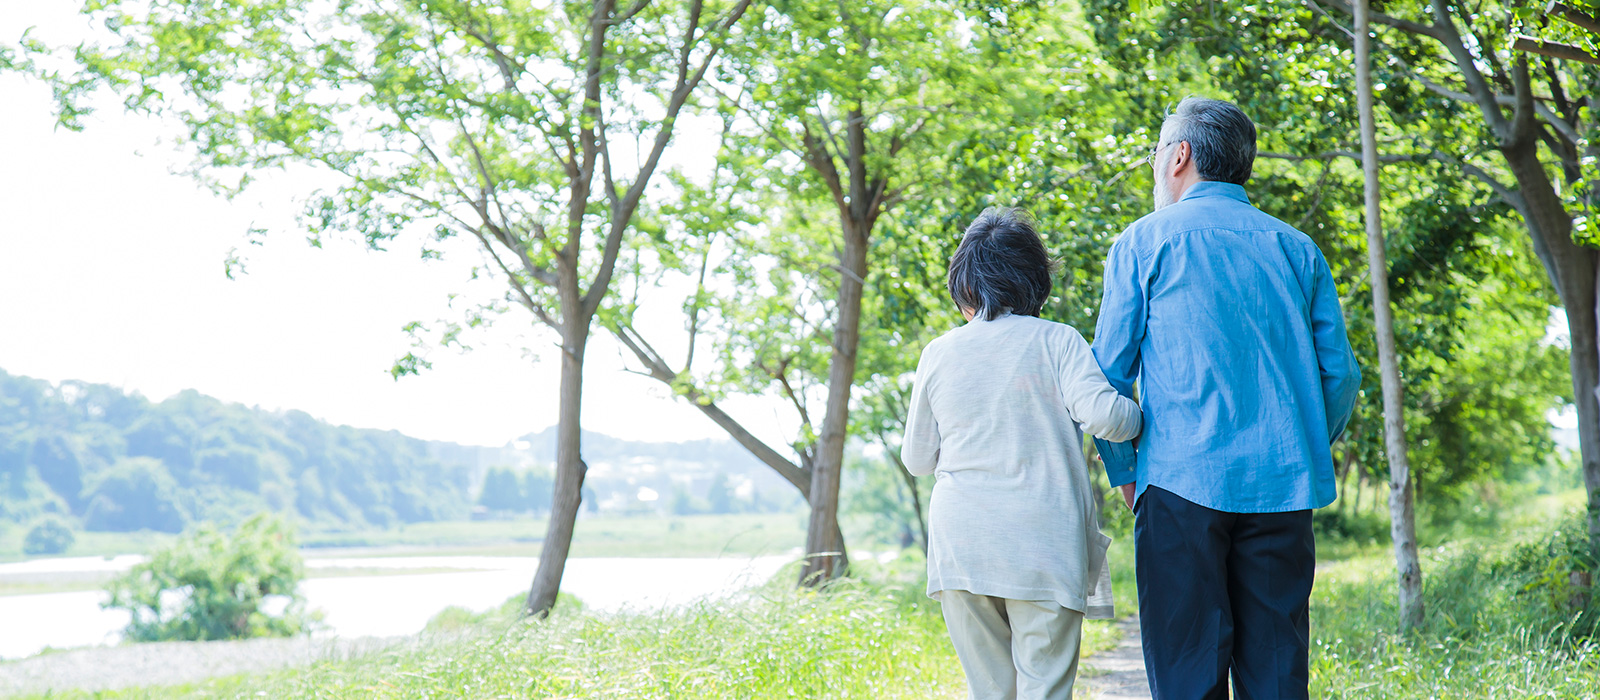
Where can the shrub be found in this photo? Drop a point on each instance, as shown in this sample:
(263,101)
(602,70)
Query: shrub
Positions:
(211,585)
(48,536)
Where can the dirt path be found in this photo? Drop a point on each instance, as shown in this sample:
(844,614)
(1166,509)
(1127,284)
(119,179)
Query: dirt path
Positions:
(1118,673)
(163,663)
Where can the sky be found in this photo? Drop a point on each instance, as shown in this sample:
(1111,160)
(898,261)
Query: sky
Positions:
(112,271)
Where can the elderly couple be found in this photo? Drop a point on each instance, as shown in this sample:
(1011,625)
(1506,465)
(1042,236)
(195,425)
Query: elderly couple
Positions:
(1229,320)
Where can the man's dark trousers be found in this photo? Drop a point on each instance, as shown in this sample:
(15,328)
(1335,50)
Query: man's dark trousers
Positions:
(1222,592)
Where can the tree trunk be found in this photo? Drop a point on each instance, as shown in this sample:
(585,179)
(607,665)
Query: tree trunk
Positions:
(1586,382)
(1583,325)
(1402,516)
(570,471)
(916,508)
(825,557)
(1575,271)
(799,477)
(1347,464)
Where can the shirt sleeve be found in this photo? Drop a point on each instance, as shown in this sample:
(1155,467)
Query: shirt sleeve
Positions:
(1091,400)
(1117,338)
(1341,375)
(920,448)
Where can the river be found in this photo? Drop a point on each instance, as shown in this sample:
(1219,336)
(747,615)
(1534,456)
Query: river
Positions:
(386,605)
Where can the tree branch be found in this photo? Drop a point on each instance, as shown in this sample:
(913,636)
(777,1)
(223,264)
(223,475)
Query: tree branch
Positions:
(1330,155)
(622,213)
(1466,65)
(1401,24)
(658,369)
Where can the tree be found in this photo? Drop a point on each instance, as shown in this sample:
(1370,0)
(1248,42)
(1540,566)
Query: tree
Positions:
(134,494)
(501,490)
(493,120)
(1471,339)
(1479,68)
(1402,517)
(718,496)
(853,111)
(221,582)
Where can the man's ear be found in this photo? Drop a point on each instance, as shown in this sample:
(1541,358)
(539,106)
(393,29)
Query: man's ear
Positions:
(1180,157)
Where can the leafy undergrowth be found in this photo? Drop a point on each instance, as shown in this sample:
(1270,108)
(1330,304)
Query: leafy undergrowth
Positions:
(1500,623)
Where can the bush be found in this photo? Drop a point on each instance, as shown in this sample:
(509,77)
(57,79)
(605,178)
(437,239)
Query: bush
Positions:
(210,585)
(1338,525)
(48,536)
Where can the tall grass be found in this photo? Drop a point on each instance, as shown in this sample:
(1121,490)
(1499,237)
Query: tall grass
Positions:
(1500,623)
(859,639)
(870,637)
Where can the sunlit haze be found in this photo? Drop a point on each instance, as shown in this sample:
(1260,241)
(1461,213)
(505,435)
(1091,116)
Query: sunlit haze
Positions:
(113,272)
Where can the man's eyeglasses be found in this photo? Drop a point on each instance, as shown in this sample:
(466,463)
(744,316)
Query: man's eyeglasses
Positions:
(1156,150)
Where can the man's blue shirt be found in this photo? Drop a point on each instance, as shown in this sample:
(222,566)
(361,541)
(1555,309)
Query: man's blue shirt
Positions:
(1230,321)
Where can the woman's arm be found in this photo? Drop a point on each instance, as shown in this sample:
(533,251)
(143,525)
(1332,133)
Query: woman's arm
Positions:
(1090,398)
(920,448)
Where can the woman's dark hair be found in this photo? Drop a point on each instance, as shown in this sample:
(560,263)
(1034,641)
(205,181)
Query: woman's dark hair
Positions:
(1001,265)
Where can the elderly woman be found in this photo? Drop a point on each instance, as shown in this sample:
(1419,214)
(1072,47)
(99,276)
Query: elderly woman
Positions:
(1015,554)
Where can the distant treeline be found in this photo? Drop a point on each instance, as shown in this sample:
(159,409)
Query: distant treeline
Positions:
(115,461)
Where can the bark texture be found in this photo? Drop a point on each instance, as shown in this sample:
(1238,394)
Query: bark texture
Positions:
(570,472)
(825,555)
(1402,515)
(1555,121)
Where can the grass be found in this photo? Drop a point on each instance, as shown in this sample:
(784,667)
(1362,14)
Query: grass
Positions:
(869,639)
(1499,625)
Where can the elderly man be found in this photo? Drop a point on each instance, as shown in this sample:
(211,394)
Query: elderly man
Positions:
(1229,320)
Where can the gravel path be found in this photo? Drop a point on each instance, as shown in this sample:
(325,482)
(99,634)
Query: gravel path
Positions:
(1119,673)
(164,663)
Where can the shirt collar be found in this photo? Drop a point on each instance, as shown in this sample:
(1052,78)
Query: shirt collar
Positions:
(1212,188)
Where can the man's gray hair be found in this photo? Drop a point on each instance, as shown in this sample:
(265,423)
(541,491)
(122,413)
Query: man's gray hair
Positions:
(1222,140)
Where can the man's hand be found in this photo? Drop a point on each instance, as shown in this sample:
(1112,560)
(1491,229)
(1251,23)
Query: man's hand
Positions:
(1127,495)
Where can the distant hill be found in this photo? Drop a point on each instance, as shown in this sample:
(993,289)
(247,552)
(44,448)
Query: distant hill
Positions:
(117,461)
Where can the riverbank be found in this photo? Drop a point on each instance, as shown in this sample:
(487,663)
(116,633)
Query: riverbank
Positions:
(402,600)
(168,664)
(1498,627)
(595,536)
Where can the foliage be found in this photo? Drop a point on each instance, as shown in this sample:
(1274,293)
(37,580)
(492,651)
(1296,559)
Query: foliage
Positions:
(1496,625)
(134,494)
(506,489)
(1472,303)
(215,585)
(51,535)
(123,463)
(879,489)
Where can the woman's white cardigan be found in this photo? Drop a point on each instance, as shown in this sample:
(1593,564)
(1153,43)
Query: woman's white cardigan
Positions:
(995,416)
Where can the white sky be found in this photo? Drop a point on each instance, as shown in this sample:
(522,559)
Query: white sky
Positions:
(111,271)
